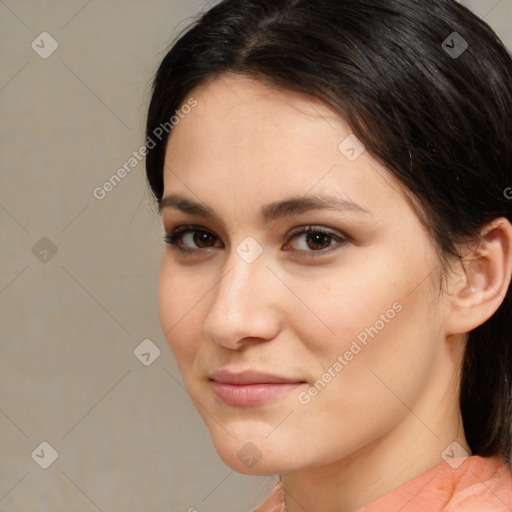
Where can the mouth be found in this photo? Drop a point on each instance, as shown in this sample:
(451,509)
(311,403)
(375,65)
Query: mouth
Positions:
(250,388)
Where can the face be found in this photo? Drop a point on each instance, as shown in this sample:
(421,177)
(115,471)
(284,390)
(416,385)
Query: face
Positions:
(302,291)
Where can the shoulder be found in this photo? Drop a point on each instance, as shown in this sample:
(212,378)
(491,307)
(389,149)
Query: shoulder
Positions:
(274,502)
(485,485)
(470,484)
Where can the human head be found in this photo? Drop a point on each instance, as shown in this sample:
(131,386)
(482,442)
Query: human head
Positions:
(441,125)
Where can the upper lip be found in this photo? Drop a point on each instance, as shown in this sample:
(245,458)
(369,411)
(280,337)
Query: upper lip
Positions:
(250,377)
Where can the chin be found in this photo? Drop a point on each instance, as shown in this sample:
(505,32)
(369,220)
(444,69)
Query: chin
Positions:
(242,461)
(253,454)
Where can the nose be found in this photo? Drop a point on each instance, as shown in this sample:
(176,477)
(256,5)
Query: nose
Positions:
(245,304)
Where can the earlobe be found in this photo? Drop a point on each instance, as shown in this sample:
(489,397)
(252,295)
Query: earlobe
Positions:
(482,285)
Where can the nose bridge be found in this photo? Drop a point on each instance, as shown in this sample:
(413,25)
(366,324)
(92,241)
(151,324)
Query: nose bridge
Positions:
(236,289)
(240,307)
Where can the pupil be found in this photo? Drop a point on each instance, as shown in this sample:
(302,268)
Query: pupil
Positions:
(317,239)
(201,237)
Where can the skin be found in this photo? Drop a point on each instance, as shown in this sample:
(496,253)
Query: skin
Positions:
(392,410)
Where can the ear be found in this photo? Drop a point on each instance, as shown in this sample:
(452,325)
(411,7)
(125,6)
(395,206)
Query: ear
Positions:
(481,283)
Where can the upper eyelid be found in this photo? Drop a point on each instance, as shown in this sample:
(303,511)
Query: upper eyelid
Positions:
(298,230)
(315,228)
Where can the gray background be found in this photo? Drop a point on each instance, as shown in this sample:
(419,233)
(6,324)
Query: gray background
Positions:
(126,434)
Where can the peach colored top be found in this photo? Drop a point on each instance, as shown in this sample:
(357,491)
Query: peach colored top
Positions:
(479,484)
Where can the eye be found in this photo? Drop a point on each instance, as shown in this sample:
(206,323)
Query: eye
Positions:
(312,240)
(190,238)
(308,240)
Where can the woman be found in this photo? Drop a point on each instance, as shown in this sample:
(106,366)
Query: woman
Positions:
(332,178)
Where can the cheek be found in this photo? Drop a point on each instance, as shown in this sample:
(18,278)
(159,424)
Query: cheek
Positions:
(378,317)
(386,328)
(349,303)
(176,300)
(357,398)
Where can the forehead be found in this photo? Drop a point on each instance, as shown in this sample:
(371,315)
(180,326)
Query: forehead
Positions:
(252,143)
(231,87)
(231,107)
(244,123)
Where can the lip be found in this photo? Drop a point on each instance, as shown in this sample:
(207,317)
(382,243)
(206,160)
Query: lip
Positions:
(250,387)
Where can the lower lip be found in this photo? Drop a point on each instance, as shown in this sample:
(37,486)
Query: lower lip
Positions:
(251,394)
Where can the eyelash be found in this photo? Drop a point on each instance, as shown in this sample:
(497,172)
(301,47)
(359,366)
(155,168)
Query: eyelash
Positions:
(174,237)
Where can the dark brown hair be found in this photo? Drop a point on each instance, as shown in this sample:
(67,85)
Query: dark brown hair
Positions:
(425,85)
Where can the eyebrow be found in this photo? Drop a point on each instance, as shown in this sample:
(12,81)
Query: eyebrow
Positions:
(270,212)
